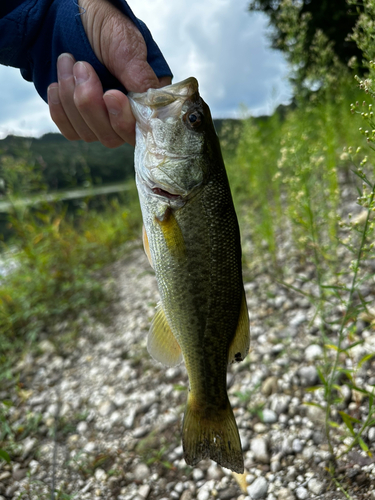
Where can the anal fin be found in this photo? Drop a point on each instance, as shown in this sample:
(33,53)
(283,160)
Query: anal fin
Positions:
(239,347)
(161,342)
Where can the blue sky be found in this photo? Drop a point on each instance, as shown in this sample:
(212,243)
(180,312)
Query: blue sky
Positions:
(217,41)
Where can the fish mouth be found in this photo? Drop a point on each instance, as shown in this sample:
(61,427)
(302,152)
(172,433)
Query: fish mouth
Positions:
(165,103)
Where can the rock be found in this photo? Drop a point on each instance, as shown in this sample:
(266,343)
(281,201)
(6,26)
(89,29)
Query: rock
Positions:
(215,472)
(46,347)
(269,386)
(100,475)
(198,474)
(106,408)
(280,403)
(28,444)
(258,489)
(298,319)
(315,486)
(228,493)
(308,453)
(308,375)
(186,495)
(269,416)
(19,474)
(144,490)
(316,415)
(302,493)
(130,417)
(259,448)
(141,472)
(82,427)
(297,445)
(285,494)
(314,351)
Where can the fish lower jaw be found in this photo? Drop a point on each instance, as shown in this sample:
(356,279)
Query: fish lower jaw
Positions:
(165,194)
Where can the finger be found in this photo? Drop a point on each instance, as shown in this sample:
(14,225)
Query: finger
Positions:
(164,81)
(120,115)
(58,114)
(88,99)
(65,64)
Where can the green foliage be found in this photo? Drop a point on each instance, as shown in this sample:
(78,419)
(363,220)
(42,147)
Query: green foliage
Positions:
(59,261)
(64,164)
(314,37)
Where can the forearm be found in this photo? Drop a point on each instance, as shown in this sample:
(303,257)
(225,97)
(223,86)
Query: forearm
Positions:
(35,32)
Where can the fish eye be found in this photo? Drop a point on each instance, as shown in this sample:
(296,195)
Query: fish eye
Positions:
(194,119)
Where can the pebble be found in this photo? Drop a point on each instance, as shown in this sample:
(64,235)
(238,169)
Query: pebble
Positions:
(308,375)
(141,472)
(297,445)
(315,486)
(198,474)
(258,489)
(299,318)
(301,493)
(280,403)
(100,475)
(285,494)
(269,416)
(144,490)
(259,448)
(371,434)
(313,352)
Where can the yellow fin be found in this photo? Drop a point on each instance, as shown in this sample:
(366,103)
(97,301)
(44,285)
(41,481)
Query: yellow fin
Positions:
(239,347)
(146,245)
(172,234)
(241,480)
(214,436)
(161,342)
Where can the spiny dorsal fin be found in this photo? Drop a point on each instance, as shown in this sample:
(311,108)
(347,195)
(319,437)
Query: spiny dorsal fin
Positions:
(146,245)
(239,347)
(161,343)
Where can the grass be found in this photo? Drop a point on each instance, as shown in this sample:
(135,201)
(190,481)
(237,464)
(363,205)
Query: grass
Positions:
(61,261)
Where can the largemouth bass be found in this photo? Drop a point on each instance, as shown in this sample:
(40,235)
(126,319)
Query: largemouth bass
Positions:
(192,240)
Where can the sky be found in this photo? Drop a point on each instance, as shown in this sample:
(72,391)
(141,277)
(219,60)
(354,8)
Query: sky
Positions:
(217,41)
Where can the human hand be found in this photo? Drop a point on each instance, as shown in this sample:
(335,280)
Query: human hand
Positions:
(76,102)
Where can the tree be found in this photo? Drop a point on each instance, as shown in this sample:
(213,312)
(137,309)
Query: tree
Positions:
(313,34)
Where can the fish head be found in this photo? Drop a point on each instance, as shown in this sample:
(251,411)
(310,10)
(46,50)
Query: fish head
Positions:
(173,125)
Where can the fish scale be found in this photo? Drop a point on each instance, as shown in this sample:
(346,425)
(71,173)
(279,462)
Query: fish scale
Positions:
(192,240)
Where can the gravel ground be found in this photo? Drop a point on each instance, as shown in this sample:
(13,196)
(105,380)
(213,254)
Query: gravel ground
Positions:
(102,420)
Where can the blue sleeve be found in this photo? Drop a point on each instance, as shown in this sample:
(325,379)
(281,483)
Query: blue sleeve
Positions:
(33,33)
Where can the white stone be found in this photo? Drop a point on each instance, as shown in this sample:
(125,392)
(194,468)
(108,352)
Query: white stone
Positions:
(314,351)
(308,375)
(269,416)
(100,475)
(144,490)
(258,489)
(301,493)
(259,448)
(315,486)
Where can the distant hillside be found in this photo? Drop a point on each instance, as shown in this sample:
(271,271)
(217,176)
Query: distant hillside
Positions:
(65,164)
(68,164)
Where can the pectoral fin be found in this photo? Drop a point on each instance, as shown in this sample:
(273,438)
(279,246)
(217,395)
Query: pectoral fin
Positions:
(146,245)
(239,347)
(172,234)
(161,342)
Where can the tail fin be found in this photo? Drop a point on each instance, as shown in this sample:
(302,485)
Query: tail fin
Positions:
(214,437)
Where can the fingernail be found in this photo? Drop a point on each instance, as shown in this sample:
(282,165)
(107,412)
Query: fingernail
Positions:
(112,103)
(81,75)
(65,64)
(53,95)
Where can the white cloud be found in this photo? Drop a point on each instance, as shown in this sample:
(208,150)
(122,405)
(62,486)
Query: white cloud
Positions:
(22,111)
(217,41)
